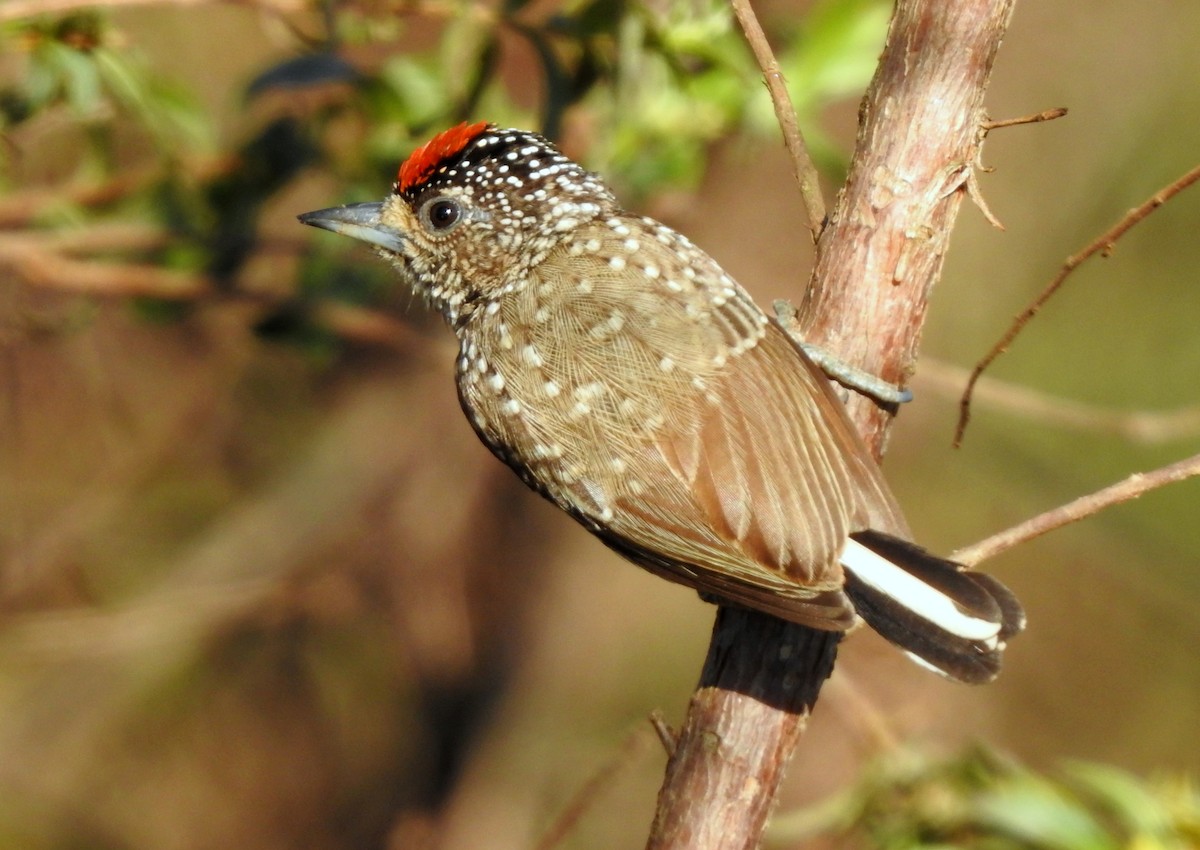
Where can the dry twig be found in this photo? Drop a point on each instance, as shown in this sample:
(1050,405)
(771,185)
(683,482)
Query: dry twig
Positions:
(585,797)
(1123,491)
(1139,426)
(1037,117)
(785,113)
(1103,245)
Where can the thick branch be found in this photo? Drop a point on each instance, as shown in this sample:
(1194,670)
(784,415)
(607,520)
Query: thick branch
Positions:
(876,264)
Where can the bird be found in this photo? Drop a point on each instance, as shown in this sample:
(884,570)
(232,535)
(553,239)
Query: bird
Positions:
(626,377)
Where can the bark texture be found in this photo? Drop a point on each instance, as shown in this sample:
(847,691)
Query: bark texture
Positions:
(877,261)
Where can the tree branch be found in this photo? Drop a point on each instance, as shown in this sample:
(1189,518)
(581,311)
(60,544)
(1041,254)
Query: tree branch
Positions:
(877,261)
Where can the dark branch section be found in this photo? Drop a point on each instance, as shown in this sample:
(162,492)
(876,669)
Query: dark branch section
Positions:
(787,679)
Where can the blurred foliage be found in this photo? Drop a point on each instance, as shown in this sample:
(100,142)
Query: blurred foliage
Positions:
(664,80)
(79,64)
(980,800)
(260,595)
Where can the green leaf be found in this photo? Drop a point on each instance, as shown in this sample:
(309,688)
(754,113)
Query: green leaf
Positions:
(80,79)
(837,49)
(418,86)
(1033,810)
(165,110)
(1139,810)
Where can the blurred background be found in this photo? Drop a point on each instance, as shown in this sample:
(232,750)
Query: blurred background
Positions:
(261,587)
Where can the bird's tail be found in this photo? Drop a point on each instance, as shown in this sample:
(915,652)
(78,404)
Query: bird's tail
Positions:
(946,617)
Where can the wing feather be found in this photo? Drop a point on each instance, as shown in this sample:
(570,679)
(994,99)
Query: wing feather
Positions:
(697,439)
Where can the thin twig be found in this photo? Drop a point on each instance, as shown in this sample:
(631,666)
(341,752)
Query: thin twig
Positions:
(1044,115)
(785,113)
(858,708)
(585,798)
(1139,426)
(976,196)
(1123,491)
(1103,245)
(666,735)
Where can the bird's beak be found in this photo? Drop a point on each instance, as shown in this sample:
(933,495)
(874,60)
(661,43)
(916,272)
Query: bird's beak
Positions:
(358,221)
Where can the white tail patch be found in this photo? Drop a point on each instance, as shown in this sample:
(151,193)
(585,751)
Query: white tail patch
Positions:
(911,593)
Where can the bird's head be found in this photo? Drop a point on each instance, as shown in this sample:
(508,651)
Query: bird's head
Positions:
(472,212)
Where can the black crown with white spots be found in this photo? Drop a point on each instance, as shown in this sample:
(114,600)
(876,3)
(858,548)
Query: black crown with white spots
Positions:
(500,162)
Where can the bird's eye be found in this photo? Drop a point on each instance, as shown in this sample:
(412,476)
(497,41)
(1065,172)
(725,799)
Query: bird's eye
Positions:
(442,214)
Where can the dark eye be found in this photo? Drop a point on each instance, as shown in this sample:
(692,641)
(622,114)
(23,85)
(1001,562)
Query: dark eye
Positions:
(442,214)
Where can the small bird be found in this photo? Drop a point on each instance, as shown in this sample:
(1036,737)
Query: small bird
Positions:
(623,375)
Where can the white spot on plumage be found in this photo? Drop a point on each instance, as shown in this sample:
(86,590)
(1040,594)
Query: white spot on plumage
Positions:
(548,451)
(551,389)
(588,391)
(531,357)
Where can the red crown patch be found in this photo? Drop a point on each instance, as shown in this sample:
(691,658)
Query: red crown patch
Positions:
(424,160)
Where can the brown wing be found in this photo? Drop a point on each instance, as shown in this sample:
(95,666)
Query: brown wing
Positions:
(685,429)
